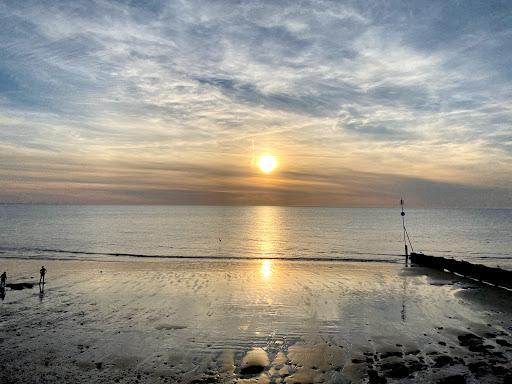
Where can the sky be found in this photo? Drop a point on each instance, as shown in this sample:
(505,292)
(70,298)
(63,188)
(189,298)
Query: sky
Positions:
(154,102)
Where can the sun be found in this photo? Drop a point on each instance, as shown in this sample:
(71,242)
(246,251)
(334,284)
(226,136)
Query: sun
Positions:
(267,163)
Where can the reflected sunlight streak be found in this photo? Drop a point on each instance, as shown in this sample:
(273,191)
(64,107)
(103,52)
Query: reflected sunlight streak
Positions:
(266,268)
(266,230)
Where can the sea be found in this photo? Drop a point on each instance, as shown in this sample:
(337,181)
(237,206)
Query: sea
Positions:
(116,232)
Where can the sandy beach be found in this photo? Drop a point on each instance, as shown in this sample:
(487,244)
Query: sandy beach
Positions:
(262,321)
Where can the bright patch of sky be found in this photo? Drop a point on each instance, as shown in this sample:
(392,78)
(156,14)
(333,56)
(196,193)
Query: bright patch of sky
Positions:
(170,102)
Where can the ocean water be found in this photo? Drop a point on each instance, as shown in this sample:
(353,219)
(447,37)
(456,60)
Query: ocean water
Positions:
(359,234)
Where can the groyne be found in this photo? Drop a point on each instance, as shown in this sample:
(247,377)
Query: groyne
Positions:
(495,276)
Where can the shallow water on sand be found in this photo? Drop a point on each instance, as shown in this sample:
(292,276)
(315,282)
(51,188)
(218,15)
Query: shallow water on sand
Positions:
(248,321)
(108,232)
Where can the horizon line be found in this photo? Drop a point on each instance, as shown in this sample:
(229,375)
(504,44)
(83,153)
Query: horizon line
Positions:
(253,205)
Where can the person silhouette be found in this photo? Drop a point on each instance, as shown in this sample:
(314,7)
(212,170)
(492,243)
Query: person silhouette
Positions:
(3,279)
(42,272)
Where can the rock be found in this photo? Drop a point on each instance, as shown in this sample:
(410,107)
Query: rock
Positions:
(206,380)
(499,370)
(415,366)
(254,362)
(480,348)
(478,368)
(455,379)
(503,343)
(252,370)
(474,343)
(499,356)
(396,370)
(385,355)
(400,370)
(441,361)
(469,339)
(374,378)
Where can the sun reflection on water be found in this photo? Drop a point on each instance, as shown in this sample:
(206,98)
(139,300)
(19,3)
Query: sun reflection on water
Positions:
(266,229)
(266,268)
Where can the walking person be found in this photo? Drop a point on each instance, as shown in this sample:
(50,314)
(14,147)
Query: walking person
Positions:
(42,273)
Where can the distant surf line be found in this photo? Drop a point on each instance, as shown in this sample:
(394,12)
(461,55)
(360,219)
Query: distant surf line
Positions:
(216,258)
(190,257)
(486,255)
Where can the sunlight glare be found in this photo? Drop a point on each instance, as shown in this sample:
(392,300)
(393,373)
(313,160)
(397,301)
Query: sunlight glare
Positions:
(266,268)
(267,163)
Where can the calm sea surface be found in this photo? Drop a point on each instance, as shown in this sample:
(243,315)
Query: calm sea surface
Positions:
(113,232)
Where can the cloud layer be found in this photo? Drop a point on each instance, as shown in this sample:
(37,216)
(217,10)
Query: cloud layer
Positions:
(170,102)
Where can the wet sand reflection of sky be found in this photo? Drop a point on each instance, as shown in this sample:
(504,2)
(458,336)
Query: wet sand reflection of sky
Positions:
(266,269)
(249,320)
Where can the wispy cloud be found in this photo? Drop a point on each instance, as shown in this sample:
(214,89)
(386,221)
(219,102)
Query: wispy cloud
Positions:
(168,102)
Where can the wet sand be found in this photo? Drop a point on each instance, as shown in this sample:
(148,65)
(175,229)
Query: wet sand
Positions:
(251,322)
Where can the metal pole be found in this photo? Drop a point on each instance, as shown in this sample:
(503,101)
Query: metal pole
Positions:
(403,226)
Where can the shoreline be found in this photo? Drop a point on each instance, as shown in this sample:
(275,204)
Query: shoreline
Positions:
(391,258)
(152,258)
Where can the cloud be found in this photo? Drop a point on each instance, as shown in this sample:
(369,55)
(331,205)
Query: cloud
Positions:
(418,90)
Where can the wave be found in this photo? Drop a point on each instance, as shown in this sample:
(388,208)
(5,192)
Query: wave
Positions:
(191,257)
(344,256)
(223,258)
